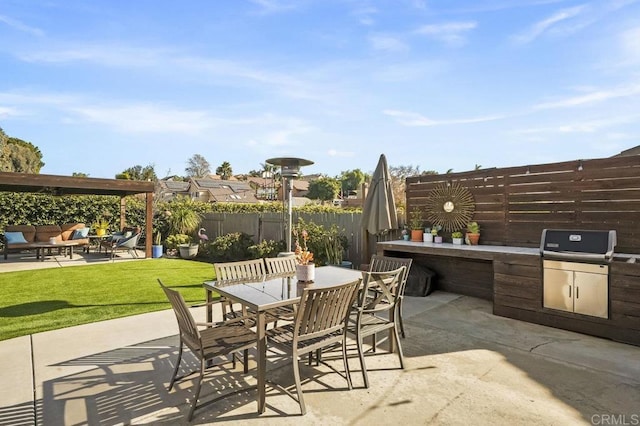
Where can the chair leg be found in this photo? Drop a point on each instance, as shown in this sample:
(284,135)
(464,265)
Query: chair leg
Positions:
(363,367)
(347,372)
(296,376)
(400,320)
(396,335)
(175,370)
(245,354)
(196,394)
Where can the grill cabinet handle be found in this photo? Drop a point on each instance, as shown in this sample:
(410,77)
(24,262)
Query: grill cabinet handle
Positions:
(569,291)
(577,292)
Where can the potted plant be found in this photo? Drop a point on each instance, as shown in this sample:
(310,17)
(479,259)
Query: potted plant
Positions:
(184,219)
(405,233)
(473,233)
(100,226)
(427,236)
(456,237)
(415,224)
(434,231)
(156,248)
(305,268)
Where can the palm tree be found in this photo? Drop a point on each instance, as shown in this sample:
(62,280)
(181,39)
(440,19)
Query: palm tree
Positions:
(225,170)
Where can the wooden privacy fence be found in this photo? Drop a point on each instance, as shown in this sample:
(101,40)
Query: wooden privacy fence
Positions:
(513,205)
(270,226)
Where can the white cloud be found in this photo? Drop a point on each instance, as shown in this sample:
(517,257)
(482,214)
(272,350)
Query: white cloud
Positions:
(17,25)
(540,27)
(387,43)
(274,6)
(366,15)
(584,126)
(630,44)
(160,60)
(591,98)
(413,119)
(451,33)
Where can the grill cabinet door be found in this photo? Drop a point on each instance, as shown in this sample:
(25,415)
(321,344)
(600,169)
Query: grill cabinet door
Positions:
(592,292)
(558,286)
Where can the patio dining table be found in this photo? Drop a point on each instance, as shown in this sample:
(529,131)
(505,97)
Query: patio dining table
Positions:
(272,292)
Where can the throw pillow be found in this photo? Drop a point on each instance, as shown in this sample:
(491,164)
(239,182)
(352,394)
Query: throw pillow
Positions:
(14,237)
(80,233)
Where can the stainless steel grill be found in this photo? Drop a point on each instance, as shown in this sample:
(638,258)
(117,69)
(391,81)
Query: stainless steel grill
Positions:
(576,270)
(578,245)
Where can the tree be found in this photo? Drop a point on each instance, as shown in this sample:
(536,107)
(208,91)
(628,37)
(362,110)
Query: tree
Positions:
(20,156)
(197,166)
(225,170)
(324,188)
(139,173)
(398,176)
(3,151)
(351,180)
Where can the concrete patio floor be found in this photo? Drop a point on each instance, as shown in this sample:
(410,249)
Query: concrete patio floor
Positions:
(463,365)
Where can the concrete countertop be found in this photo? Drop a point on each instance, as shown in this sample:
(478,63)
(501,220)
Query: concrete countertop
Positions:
(480,251)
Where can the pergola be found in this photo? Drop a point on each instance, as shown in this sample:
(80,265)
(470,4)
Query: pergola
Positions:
(65,185)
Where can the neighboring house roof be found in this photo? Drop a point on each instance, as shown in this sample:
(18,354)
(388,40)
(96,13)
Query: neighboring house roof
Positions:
(300,185)
(312,177)
(224,190)
(170,188)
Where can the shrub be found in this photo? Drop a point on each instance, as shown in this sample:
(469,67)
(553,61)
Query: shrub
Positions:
(267,248)
(174,240)
(229,248)
(323,243)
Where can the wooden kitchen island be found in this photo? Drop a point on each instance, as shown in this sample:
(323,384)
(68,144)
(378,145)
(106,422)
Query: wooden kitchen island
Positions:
(511,277)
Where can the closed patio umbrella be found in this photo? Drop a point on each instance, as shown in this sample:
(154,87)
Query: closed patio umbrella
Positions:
(379,210)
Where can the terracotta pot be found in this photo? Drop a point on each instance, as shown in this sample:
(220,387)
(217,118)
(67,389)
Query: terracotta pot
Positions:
(416,235)
(473,239)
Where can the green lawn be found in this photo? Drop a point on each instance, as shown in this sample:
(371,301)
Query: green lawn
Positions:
(48,299)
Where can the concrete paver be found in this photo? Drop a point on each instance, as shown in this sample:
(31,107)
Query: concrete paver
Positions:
(462,366)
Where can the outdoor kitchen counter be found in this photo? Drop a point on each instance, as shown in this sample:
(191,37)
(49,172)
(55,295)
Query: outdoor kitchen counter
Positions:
(512,278)
(482,252)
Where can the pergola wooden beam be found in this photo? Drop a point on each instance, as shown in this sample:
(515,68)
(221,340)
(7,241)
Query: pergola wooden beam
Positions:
(66,185)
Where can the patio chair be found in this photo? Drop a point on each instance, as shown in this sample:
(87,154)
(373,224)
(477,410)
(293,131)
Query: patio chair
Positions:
(219,339)
(122,244)
(280,266)
(229,273)
(320,321)
(376,311)
(386,263)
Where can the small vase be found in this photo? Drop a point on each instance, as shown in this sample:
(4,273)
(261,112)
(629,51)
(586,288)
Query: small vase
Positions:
(457,241)
(306,273)
(437,239)
(405,237)
(427,237)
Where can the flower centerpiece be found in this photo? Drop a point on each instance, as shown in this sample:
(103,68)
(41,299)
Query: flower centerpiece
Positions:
(305,268)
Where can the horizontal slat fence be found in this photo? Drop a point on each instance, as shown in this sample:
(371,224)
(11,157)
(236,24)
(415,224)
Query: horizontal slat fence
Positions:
(513,205)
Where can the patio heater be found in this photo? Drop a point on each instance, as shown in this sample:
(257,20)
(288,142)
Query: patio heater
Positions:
(289,169)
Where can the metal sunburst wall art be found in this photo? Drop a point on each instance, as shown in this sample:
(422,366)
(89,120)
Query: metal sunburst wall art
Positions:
(450,206)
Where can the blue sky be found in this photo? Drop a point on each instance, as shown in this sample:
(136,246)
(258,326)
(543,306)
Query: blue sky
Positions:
(100,86)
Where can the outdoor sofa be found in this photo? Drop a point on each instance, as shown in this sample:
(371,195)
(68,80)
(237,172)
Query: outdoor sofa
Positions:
(34,234)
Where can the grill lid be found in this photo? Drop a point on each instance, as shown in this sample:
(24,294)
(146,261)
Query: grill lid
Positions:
(578,244)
